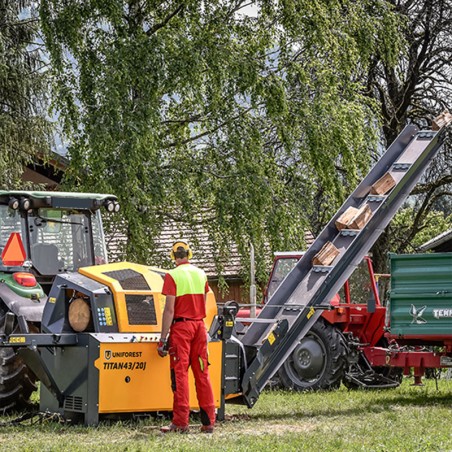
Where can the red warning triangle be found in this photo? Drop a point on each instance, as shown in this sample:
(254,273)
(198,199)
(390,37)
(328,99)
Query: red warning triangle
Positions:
(14,253)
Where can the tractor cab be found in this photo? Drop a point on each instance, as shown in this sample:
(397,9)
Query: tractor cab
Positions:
(48,233)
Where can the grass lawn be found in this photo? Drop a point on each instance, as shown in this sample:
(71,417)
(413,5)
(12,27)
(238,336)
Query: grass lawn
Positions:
(403,419)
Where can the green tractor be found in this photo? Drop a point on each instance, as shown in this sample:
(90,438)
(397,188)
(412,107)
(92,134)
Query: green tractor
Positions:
(42,234)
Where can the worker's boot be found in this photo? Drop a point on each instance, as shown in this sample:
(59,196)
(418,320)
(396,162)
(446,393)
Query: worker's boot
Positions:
(207,428)
(174,429)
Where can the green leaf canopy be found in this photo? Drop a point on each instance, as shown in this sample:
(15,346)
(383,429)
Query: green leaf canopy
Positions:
(229,116)
(24,129)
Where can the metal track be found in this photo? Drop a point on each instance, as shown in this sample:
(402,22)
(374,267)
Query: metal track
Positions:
(406,159)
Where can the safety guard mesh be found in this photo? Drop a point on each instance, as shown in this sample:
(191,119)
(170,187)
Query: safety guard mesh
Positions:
(129,279)
(141,310)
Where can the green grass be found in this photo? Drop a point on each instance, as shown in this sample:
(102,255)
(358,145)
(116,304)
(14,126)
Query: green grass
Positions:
(403,419)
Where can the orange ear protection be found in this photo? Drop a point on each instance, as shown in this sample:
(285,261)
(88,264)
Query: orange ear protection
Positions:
(180,244)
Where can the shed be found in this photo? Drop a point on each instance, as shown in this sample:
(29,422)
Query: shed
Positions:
(439,244)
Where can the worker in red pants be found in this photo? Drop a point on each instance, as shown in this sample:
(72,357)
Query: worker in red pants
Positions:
(185,288)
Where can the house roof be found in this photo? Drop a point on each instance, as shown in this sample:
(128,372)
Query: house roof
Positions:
(203,252)
(50,170)
(440,243)
(46,169)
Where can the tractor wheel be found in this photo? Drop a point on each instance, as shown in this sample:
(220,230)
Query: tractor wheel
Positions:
(318,361)
(17,382)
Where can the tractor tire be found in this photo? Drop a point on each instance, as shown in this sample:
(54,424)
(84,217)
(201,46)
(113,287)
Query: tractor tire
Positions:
(17,382)
(318,361)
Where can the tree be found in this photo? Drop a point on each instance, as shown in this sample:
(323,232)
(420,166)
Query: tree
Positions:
(416,90)
(196,113)
(24,131)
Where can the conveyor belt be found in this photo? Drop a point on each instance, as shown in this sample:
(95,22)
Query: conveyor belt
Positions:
(313,286)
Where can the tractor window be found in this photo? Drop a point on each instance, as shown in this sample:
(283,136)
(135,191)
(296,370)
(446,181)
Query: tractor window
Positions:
(60,240)
(281,269)
(383,285)
(100,250)
(360,285)
(10,221)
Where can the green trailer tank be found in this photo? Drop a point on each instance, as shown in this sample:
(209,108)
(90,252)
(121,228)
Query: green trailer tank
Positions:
(421,297)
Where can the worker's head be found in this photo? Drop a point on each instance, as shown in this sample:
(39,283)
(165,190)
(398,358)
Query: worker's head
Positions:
(180,250)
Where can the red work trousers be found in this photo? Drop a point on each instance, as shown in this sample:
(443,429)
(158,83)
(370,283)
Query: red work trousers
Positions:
(188,347)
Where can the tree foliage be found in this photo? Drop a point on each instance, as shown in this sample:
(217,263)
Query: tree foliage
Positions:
(433,223)
(196,113)
(416,90)
(24,131)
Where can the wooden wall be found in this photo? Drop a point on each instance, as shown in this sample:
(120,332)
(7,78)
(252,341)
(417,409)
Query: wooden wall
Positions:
(236,292)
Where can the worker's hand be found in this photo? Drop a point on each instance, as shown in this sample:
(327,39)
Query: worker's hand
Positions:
(162,348)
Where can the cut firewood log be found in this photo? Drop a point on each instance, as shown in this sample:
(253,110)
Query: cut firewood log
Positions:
(345,218)
(326,255)
(440,121)
(361,218)
(383,185)
(79,314)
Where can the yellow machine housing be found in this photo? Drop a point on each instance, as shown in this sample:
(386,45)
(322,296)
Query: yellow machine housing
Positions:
(133,378)
(109,275)
(114,367)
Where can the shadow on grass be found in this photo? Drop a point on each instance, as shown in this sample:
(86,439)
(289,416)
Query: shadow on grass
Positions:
(374,405)
(368,401)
